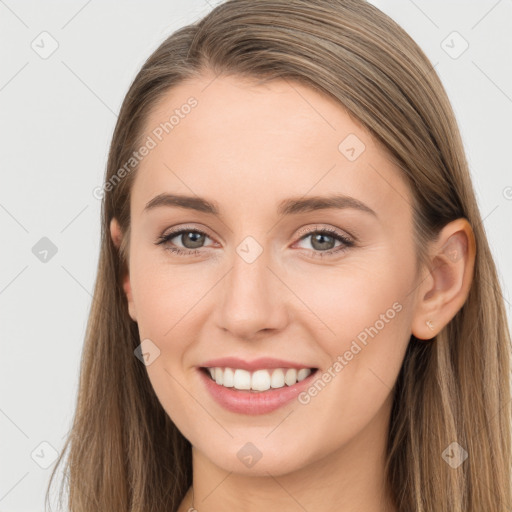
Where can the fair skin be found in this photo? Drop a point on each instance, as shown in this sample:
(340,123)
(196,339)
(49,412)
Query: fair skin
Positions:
(246,148)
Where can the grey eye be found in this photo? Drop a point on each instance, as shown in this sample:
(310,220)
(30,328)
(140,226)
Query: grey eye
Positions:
(191,239)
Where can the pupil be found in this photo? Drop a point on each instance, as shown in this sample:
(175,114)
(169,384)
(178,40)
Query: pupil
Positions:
(193,240)
(319,241)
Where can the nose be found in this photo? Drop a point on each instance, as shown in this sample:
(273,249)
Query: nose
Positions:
(253,299)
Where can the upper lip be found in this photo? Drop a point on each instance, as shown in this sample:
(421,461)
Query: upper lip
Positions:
(256,364)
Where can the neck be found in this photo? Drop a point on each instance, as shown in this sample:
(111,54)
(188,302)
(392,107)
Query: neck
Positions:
(349,479)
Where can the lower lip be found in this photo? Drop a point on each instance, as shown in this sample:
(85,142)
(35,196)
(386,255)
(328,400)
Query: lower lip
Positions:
(247,402)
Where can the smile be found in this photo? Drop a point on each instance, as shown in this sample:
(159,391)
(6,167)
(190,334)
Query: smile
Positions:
(258,380)
(255,392)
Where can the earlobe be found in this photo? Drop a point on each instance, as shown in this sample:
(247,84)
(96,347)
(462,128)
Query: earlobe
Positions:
(128,292)
(117,237)
(445,290)
(115,232)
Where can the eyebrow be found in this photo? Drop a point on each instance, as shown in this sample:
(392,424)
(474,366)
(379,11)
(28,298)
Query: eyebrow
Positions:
(289,206)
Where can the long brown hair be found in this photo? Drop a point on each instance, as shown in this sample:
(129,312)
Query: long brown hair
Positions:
(125,454)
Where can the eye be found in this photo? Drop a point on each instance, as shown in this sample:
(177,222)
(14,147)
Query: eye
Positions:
(323,241)
(192,239)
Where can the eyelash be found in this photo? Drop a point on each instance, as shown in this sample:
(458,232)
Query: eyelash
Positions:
(161,240)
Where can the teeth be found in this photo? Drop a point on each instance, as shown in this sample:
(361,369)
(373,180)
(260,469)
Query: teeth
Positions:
(303,373)
(241,379)
(259,380)
(228,378)
(290,377)
(277,379)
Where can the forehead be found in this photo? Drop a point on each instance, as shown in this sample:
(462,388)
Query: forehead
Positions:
(238,142)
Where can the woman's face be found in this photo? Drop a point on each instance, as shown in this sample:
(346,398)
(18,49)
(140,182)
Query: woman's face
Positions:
(266,272)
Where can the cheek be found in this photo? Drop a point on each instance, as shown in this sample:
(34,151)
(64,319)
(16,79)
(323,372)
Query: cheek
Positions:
(164,294)
(355,314)
(368,318)
(167,300)
(355,298)
(170,313)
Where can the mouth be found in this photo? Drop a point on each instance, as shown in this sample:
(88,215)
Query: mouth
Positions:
(257,381)
(256,391)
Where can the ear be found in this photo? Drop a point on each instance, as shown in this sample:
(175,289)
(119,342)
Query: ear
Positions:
(448,281)
(117,237)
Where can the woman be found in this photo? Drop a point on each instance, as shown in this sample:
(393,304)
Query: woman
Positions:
(296,306)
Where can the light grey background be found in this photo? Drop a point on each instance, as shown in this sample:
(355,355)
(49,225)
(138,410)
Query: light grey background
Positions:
(57,117)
